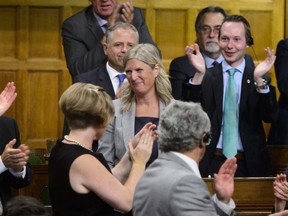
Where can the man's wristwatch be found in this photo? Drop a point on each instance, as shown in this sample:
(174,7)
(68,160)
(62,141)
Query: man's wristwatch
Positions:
(263,86)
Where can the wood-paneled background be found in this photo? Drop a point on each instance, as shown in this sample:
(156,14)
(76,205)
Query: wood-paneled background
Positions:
(31,52)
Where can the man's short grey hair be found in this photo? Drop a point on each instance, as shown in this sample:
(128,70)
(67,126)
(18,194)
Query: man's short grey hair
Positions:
(122,25)
(181,126)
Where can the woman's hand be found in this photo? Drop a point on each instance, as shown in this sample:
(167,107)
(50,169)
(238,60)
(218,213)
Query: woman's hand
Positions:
(142,152)
(147,127)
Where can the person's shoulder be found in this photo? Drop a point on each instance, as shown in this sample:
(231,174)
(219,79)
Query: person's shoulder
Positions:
(78,16)
(283,43)
(179,59)
(137,9)
(117,102)
(181,65)
(90,76)
(6,120)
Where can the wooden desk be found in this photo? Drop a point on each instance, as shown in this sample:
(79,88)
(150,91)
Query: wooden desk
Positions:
(253,196)
(279,157)
(40,180)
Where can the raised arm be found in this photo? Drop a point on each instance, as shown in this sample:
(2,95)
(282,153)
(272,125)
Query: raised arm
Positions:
(7,97)
(88,174)
(196,59)
(224,180)
(264,67)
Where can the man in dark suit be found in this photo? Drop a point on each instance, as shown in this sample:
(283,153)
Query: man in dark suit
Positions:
(119,39)
(83,32)
(207,26)
(279,129)
(253,100)
(14,171)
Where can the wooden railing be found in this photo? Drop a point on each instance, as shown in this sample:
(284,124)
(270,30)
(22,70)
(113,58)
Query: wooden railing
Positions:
(279,157)
(253,196)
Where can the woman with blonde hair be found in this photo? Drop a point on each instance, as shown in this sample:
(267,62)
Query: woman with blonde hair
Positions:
(142,100)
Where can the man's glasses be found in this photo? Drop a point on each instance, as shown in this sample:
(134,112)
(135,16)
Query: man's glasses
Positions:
(208,29)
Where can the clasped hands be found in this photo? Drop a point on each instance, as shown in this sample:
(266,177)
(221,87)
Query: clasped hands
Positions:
(15,158)
(122,12)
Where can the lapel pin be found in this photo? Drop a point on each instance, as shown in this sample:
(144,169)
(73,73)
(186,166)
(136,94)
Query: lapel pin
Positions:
(248,81)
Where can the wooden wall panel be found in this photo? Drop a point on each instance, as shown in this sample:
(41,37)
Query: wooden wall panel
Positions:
(176,19)
(44,37)
(8,32)
(260,29)
(43,91)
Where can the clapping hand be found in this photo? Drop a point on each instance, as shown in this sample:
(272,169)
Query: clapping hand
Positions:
(147,127)
(265,65)
(196,59)
(7,97)
(123,12)
(15,158)
(224,180)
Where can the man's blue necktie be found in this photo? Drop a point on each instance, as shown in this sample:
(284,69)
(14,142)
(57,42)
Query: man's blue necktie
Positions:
(230,123)
(121,78)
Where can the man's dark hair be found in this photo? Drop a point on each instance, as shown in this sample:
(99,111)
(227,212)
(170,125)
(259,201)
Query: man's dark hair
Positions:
(210,9)
(241,19)
(24,206)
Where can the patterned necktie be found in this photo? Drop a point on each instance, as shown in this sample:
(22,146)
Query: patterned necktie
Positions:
(230,126)
(121,78)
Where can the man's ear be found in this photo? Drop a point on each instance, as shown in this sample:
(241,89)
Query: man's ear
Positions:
(105,47)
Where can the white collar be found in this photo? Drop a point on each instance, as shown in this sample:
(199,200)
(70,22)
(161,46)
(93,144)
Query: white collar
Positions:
(191,163)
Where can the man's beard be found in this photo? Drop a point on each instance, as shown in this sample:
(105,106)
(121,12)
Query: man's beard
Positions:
(212,46)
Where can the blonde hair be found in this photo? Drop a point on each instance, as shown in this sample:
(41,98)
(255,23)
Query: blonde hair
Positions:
(84,104)
(148,54)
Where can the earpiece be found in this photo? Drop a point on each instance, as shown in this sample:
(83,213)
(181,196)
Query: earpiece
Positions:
(207,138)
(250,41)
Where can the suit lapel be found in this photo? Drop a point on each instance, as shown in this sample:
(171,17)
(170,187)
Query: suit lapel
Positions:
(217,85)
(105,82)
(93,24)
(128,122)
(247,87)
